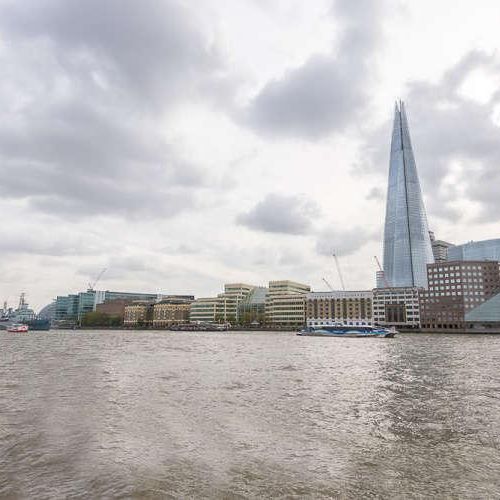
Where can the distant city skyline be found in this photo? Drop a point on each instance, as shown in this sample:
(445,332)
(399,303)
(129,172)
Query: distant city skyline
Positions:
(167,142)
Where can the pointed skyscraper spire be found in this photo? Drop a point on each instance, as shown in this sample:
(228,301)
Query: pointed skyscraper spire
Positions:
(407,244)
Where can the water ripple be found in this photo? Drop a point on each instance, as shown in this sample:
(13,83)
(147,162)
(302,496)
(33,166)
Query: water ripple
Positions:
(248,415)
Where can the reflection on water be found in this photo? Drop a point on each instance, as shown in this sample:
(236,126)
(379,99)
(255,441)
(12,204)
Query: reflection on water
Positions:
(162,414)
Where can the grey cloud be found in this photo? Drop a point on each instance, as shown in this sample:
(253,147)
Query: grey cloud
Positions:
(83,183)
(328,91)
(281,214)
(146,275)
(309,101)
(376,193)
(342,242)
(295,215)
(38,242)
(448,127)
(80,131)
(181,249)
(362,27)
(151,49)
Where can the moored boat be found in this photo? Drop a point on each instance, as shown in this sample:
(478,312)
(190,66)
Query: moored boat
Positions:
(18,328)
(348,331)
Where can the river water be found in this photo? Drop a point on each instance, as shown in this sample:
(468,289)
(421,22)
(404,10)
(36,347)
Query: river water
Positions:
(90,414)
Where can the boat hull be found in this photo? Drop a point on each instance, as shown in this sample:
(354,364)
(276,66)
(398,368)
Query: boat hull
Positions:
(348,332)
(346,335)
(18,329)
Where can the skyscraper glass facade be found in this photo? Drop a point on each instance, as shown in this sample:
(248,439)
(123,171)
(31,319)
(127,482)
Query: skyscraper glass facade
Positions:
(66,307)
(407,244)
(476,250)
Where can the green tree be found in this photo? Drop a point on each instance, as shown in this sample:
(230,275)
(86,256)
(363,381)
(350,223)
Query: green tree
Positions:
(115,321)
(95,318)
(246,318)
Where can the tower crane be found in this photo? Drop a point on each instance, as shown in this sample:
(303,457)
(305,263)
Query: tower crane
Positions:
(386,283)
(99,276)
(339,272)
(327,284)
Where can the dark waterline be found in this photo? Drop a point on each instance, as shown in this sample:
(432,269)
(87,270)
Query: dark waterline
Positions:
(118,414)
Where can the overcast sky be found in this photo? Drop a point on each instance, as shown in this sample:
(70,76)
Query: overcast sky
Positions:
(184,144)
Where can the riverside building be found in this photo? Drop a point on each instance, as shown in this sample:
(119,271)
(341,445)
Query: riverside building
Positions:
(457,288)
(204,310)
(407,244)
(252,309)
(66,308)
(113,308)
(234,294)
(346,307)
(221,309)
(71,308)
(139,313)
(399,307)
(285,304)
(170,312)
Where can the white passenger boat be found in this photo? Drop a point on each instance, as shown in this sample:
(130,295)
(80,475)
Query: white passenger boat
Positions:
(348,331)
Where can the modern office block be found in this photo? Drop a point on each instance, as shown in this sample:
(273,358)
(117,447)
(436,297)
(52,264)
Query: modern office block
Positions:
(476,250)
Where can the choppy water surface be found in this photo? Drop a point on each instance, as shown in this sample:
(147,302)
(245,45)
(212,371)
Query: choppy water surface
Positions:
(246,415)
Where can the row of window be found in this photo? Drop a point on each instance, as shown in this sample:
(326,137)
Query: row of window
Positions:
(468,274)
(441,269)
(447,281)
(395,300)
(330,323)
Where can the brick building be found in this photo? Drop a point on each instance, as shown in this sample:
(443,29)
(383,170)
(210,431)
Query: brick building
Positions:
(346,307)
(114,308)
(455,289)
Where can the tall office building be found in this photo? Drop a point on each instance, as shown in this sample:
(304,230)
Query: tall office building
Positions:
(476,250)
(407,244)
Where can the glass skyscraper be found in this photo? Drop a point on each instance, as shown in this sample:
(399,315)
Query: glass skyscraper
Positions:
(476,250)
(407,244)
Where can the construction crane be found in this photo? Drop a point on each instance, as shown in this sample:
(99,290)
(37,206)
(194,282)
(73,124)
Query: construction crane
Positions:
(386,283)
(339,272)
(99,276)
(327,284)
